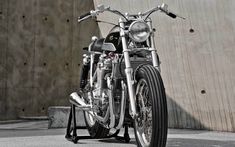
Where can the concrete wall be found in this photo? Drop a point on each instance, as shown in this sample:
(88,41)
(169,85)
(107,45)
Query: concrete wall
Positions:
(40,53)
(198,66)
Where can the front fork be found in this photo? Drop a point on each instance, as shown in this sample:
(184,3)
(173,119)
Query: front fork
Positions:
(129,69)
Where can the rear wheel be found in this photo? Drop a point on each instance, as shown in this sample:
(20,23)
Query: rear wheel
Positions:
(95,129)
(151,124)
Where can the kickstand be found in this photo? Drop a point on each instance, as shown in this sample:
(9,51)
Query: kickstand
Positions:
(126,136)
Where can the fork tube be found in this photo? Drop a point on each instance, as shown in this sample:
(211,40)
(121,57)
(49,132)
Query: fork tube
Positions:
(153,49)
(91,69)
(128,70)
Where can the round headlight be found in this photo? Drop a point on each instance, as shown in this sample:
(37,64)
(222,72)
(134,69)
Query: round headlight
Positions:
(139,31)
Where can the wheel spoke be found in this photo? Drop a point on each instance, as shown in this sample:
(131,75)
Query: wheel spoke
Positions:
(144,122)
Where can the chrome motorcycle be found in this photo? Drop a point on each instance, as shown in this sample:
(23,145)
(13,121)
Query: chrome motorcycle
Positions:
(120,83)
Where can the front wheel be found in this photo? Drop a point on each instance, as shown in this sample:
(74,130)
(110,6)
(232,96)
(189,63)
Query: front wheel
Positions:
(151,124)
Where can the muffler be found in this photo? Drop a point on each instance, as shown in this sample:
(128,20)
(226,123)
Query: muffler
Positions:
(78,101)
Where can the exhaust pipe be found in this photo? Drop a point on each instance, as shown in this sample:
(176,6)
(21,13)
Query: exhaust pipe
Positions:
(76,100)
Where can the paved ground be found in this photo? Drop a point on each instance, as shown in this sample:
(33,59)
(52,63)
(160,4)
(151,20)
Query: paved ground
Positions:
(36,134)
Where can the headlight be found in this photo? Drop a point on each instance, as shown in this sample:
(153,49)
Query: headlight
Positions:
(139,31)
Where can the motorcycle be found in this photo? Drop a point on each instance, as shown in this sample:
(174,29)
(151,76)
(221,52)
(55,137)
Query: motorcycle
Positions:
(120,83)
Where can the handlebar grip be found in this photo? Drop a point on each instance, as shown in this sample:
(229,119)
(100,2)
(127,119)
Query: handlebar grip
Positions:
(172,15)
(84,15)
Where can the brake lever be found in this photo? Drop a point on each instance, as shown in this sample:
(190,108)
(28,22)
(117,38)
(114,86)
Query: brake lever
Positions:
(180,16)
(164,8)
(173,15)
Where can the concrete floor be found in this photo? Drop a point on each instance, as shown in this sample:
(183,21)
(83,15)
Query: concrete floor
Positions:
(36,134)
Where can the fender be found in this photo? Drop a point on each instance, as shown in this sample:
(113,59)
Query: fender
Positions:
(137,69)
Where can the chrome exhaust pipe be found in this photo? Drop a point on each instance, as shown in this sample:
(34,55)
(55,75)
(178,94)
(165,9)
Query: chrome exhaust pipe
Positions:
(77,100)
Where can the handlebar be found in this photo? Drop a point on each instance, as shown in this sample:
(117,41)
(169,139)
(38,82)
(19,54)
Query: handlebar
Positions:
(101,9)
(84,15)
(172,15)
(165,10)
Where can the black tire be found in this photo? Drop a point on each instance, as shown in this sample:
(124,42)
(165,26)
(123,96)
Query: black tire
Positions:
(95,130)
(149,79)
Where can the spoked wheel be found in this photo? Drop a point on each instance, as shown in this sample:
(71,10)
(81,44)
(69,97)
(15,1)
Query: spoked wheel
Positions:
(151,123)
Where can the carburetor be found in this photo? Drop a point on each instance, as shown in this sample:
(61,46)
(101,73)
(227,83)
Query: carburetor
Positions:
(104,66)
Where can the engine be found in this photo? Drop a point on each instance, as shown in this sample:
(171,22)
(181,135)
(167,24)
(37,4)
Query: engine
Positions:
(100,91)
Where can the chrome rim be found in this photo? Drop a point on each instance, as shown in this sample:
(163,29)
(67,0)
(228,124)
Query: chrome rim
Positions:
(143,124)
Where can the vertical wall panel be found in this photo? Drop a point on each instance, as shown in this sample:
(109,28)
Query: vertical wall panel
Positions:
(3,54)
(20,43)
(20,53)
(52,52)
(40,50)
(197,65)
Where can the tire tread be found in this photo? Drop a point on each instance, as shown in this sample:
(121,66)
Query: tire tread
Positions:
(153,78)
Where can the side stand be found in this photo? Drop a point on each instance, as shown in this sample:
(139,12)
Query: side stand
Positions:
(126,136)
